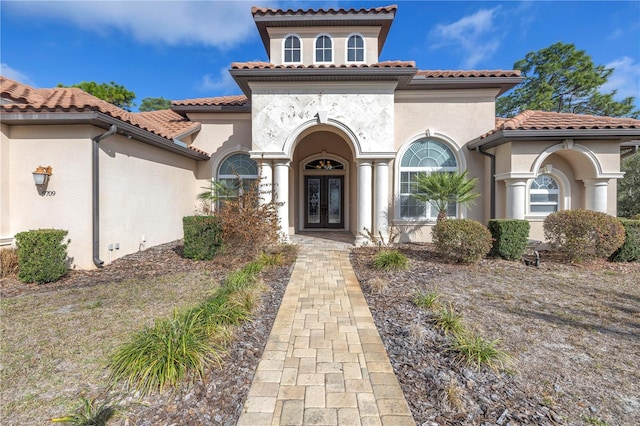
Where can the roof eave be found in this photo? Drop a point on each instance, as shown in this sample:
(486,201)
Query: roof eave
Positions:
(185,109)
(242,77)
(505,136)
(104,121)
(439,83)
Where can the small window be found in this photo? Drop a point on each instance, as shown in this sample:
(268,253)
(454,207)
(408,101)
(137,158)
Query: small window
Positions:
(237,173)
(355,49)
(544,194)
(423,156)
(323,49)
(292,49)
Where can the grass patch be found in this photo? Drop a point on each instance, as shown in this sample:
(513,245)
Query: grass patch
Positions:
(448,320)
(390,260)
(92,413)
(427,299)
(477,351)
(164,355)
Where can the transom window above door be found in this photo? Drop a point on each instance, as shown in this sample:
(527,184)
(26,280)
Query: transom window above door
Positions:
(292,49)
(324,164)
(324,48)
(423,156)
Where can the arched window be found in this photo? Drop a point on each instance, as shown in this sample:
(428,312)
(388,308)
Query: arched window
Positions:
(544,195)
(323,49)
(292,49)
(423,156)
(355,49)
(237,173)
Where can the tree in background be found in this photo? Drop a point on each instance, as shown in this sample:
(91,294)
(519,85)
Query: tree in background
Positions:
(443,188)
(560,78)
(113,93)
(629,187)
(154,104)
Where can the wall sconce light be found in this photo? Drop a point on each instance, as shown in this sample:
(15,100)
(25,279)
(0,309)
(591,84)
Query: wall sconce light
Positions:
(41,175)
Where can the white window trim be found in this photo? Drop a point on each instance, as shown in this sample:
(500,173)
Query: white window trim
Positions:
(284,40)
(564,193)
(333,52)
(346,49)
(223,158)
(460,160)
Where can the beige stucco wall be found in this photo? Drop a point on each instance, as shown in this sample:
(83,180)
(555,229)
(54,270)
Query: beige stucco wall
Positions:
(339,36)
(5,187)
(144,190)
(67,149)
(454,117)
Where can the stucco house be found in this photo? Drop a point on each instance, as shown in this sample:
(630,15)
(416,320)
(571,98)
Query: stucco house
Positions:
(337,136)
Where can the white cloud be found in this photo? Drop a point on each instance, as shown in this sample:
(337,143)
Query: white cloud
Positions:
(625,78)
(221,24)
(223,84)
(13,74)
(474,35)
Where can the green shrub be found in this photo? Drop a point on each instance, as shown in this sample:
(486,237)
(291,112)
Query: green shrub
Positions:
(202,237)
(42,255)
(583,234)
(464,240)
(390,260)
(630,249)
(510,237)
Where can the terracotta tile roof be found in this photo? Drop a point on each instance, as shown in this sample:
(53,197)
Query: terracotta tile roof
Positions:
(467,73)
(237,100)
(543,120)
(264,11)
(267,65)
(23,98)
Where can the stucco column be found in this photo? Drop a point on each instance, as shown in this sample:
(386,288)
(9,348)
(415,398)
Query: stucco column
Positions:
(281,195)
(364,207)
(595,197)
(266,182)
(381,200)
(516,198)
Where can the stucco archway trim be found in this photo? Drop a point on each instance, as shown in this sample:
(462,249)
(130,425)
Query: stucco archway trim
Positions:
(570,145)
(295,136)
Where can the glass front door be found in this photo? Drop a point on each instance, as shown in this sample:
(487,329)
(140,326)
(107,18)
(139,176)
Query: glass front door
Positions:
(323,202)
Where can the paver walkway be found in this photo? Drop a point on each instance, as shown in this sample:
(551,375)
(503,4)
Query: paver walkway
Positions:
(324,362)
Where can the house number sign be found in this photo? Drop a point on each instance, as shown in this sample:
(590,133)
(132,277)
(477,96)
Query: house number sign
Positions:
(47,193)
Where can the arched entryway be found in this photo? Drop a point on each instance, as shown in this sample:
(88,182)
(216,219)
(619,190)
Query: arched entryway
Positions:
(324,181)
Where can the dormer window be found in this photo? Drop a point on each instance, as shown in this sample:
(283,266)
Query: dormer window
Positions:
(292,49)
(324,49)
(355,48)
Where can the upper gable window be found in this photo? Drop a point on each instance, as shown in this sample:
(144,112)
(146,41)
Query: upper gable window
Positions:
(355,48)
(292,49)
(324,49)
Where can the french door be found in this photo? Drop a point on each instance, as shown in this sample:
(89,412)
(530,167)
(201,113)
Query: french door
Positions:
(324,201)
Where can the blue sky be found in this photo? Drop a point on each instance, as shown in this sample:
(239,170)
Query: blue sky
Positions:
(182,50)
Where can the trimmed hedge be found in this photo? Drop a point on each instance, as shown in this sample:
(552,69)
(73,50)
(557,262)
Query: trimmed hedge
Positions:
(202,237)
(42,255)
(630,250)
(464,240)
(510,237)
(583,234)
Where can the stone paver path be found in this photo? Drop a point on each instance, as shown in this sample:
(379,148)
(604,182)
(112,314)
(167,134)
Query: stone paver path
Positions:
(324,362)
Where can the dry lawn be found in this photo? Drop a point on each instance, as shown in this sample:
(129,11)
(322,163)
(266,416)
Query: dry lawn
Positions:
(54,344)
